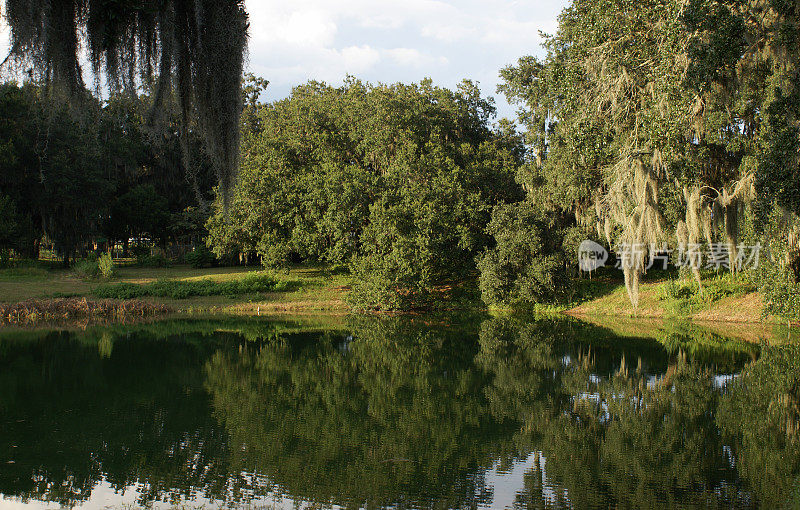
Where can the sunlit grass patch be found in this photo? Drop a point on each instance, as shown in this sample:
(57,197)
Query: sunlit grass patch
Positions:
(251,283)
(684,296)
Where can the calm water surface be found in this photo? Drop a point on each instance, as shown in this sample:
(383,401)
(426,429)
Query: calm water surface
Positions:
(405,413)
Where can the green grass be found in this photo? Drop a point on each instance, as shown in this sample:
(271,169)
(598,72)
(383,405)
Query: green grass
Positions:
(682,297)
(24,274)
(725,297)
(252,283)
(301,289)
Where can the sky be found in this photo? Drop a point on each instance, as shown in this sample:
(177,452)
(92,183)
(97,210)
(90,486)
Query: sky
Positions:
(293,41)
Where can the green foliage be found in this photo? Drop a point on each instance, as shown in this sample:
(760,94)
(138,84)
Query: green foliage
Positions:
(9,222)
(192,52)
(94,173)
(20,186)
(105,265)
(527,265)
(398,181)
(683,297)
(778,275)
(648,119)
(140,212)
(200,257)
(253,283)
(759,418)
(781,292)
(94,267)
(87,268)
(9,229)
(147,260)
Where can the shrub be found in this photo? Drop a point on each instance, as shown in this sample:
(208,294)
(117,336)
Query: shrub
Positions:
(148,260)
(105,265)
(781,292)
(677,289)
(200,257)
(383,285)
(177,289)
(526,265)
(683,297)
(87,268)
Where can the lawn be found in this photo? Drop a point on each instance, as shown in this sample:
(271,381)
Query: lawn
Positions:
(303,288)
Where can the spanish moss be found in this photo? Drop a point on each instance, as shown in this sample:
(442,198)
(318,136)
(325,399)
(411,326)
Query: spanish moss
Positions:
(192,50)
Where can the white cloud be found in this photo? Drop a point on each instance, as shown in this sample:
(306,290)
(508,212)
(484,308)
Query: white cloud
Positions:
(411,57)
(395,41)
(359,58)
(305,29)
(448,32)
(5,36)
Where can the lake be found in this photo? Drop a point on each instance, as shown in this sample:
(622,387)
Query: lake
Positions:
(415,412)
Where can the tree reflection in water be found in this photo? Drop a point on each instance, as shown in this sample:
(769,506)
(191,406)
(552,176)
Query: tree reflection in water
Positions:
(406,412)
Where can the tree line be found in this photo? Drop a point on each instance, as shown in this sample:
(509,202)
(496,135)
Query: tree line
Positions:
(662,124)
(79,179)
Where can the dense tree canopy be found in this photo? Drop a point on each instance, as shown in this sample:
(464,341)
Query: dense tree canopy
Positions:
(398,181)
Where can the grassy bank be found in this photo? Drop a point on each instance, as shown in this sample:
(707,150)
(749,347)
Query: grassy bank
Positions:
(187,290)
(725,298)
(317,289)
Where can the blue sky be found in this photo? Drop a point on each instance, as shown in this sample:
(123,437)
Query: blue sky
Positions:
(293,41)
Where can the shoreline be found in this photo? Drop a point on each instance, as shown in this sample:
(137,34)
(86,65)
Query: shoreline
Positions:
(315,290)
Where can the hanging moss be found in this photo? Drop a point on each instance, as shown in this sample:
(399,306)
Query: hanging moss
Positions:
(195,48)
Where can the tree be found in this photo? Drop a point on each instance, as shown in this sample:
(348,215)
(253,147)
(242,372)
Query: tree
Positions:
(397,181)
(140,212)
(19,168)
(194,47)
(657,121)
(75,185)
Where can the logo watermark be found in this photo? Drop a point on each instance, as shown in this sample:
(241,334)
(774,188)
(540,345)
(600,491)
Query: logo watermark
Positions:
(592,256)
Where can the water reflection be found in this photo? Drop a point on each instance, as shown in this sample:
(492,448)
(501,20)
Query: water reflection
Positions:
(433,412)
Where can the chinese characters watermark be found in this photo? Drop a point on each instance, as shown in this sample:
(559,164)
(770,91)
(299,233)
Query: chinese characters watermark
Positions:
(592,256)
